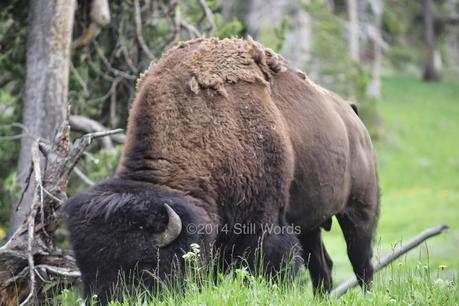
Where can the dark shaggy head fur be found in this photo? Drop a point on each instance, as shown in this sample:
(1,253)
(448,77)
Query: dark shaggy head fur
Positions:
(114,228)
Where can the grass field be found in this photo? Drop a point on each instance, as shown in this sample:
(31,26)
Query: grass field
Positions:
(419,177)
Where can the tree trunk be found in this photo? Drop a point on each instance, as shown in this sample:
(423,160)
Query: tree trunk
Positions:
(50,26)
(430,72)
(353,15)
(452,37)
(374,88)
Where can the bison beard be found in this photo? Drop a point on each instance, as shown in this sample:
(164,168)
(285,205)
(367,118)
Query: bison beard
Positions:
(222,134)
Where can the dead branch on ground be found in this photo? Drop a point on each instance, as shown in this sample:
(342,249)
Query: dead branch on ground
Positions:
(29,259)
(383,262)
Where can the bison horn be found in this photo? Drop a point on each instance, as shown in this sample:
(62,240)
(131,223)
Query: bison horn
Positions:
(173,228)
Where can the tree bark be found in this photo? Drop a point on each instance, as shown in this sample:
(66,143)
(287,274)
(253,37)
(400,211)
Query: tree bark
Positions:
(430,71)
(353,15)
(374,88)
(45,102)
(452,36)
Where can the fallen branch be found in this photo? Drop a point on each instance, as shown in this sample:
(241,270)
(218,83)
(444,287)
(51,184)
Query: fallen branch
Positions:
(30,252)
(36,203)
(402,249)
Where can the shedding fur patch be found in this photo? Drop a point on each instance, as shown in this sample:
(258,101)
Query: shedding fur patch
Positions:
(216,62)
(194,86)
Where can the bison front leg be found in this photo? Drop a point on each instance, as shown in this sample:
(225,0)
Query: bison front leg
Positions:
(280,254)
(317,261)
(271,254)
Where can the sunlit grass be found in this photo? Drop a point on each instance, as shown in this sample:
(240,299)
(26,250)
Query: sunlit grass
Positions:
(403,283)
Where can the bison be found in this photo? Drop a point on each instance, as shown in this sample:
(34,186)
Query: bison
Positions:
(223,135)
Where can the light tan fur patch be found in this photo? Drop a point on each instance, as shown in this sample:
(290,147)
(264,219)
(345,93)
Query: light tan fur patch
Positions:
(216,62)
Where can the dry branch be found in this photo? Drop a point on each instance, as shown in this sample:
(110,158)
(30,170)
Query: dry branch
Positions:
(383,262)
(30,252)
(100,17)
(83,177)
(209,16)
(109,67)
(176,20)
(138,29)
(87,125)
(192,31)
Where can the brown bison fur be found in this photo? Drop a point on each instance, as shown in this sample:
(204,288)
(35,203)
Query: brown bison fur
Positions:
(227,134)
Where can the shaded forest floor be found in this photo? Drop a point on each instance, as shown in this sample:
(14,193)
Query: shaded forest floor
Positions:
(419,176)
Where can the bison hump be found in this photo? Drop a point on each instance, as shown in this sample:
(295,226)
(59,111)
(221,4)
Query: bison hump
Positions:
(213,63)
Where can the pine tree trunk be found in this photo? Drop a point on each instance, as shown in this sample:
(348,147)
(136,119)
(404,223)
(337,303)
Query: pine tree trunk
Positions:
(374,88)
(50,26)
(430,72)
(353,15)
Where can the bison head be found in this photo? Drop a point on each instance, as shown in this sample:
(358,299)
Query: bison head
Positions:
(120,228)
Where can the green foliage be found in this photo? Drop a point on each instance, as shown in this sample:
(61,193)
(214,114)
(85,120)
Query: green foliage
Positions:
(403,30)
(97,167)
(329,56)
(332,67)
(12,67)
(273,36)
(231,28)
(403,59)
(279,33)
(394,21)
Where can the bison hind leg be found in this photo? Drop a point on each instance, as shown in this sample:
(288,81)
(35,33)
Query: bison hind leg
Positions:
(358,233)
(317,260)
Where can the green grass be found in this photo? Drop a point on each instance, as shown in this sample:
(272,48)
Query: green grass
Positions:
(418,163)
(399,284)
